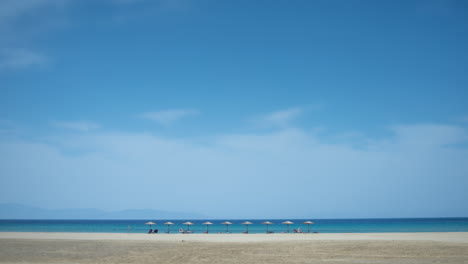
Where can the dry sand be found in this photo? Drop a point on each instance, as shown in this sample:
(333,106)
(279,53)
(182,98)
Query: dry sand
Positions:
(234,248)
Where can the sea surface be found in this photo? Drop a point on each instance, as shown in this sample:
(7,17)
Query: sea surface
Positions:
(320,226)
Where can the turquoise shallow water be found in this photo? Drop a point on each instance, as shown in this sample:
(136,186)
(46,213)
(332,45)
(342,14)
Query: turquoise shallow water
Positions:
(321,225)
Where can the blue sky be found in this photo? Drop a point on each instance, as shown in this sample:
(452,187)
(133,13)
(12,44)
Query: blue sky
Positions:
(240,109)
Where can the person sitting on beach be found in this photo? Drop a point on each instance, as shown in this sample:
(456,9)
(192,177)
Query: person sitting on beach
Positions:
(150,231)
(155,231)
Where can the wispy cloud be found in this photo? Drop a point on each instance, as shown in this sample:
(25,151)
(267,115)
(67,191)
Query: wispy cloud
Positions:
(167,117)
(21,58)
(282,165)
(12,9)
(441,135)
(82,126)
(281,118)
(13,12)
(20,23)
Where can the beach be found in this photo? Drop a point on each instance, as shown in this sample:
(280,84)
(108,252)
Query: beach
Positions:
(37,247)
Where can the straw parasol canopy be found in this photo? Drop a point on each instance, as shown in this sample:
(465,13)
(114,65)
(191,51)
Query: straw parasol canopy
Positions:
(287,223)
(207,224)
(267,223)
(247,223)
(168,224)
(308,223)
(227,223)
(150,224)
(188,224)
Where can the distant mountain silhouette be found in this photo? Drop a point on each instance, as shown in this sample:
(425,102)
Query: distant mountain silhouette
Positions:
(19,211)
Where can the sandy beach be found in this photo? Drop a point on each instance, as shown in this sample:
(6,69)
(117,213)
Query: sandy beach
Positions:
(18,247)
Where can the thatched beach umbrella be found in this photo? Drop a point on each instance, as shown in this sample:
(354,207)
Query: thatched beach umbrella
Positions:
(227,223)
(188,225)
(150,224)
(308,223)
(287,223)
(267,223)
(207,224)
(247,223)
(168,225)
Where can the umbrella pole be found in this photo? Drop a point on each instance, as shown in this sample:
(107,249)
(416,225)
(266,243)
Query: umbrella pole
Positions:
(267,228)
(288,228)
(206,228)
(308,228)
(247,228)
(168,229)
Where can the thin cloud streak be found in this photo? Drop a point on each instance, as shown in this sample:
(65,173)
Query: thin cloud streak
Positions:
(21,58)
(82,126)
(281,118)
(20,23)
(169,116)
(12,9)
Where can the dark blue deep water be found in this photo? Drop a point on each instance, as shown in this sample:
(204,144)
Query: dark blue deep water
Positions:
(321,225)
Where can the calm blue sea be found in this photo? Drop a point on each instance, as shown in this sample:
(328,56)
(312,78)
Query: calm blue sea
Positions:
(321,225)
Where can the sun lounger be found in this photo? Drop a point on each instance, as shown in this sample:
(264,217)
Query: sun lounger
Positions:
(181,230)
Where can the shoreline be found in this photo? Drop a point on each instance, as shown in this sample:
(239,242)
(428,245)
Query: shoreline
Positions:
(453,237)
